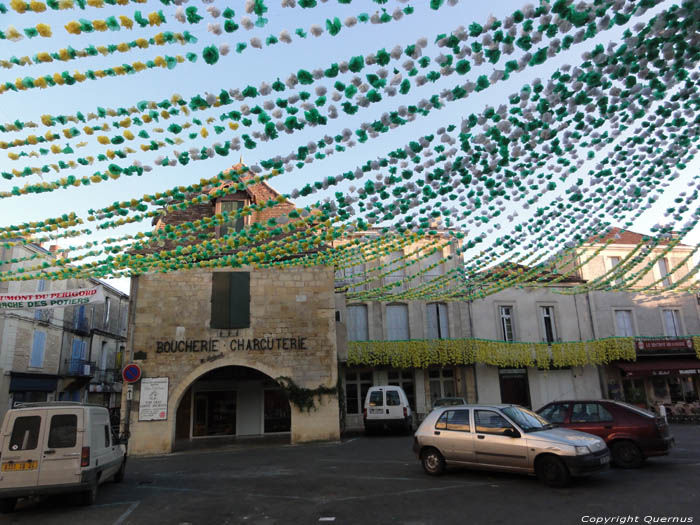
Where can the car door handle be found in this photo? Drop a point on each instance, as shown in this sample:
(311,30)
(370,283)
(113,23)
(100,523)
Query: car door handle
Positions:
(480,437)
(437,432)
(49,451)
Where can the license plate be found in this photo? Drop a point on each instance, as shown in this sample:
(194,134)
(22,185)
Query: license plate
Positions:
(19,466)
(605,460)
(375,410)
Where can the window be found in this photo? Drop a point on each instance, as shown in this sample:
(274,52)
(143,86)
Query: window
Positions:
(404,379)
(392,398)
(396,277)
(427,262)
(442,383)
(590,413)
(108,303)
(623,323)
(36,360)
(25,433)
(235,224)
(103,356)
(356,386)
(457,420)
(107,443)
(506,313)
(79,321)
(357,323)
(556,413)
(230,300)
(41,315)
(437,321)
(547,323)
(376,398)
(614,261)
(63,431)
(663,270)
(397,322)
(672,323)
(487,422)
(351,275)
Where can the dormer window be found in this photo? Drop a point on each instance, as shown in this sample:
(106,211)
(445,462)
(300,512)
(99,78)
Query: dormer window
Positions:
(236,224)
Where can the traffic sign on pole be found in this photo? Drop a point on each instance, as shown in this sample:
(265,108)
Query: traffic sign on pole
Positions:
(131,373)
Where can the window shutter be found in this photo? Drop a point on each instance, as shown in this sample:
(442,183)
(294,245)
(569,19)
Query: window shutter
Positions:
(37,358)
(239,300)
(220,285)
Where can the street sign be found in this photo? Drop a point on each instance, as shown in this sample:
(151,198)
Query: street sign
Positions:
(129,392)
(131,373)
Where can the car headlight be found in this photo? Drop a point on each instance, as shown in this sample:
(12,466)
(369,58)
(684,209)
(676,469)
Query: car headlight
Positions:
(580,451)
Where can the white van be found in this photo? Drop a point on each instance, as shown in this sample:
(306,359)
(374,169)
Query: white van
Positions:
(387,407)
(59,447)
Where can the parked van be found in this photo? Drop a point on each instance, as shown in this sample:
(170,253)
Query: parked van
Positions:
(387,407)
(59,447)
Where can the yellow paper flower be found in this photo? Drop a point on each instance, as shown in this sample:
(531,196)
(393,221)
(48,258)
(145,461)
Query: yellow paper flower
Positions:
(73,27)
(58,79)
(44,30)
(103,50)
(79,77)
(13,156)
(18,5)
(204,133)
(123,47)
(44,57)
(99,25)
(128,135)
(40,82)
(159,61)
(88,130)
(12,34)
(126,22)
(103,139)
(96,3)
(154,19)
(55,148)
(138,66)
(65,4)
(37,7)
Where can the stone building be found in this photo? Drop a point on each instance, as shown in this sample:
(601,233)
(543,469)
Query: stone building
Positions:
(236,351)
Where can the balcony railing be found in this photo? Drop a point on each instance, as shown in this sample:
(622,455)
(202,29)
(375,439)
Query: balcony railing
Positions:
(79,368)
(81,325)
(108,376)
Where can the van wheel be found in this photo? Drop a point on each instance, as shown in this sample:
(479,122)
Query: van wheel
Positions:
(626,454)
(90,496)
(433,462)
(7,505)
(551,471)
(119,476)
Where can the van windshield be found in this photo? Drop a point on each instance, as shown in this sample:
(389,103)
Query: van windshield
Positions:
(376,399)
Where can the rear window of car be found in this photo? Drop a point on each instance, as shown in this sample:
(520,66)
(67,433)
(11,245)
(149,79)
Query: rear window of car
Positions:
(376,399)
(392,398)
(638,410)
(555,413)
(25,433)
(590,413)
(62,433)
(457,420)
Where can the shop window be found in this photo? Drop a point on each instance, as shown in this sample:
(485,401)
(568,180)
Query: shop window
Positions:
(36,359)
(442,383)
(634,391)
(63,431)
(506,315)
(397,322)
(437,321)
(623,323)
(672,322)
(590,413)
(357,323)
(235,224)
(549,331)
(356,386)
(230,300)
(277,412)
(25,433)
(404,379)
(214,413)
(663,271)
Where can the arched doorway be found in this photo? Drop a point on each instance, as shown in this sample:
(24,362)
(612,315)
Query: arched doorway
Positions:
(228,403)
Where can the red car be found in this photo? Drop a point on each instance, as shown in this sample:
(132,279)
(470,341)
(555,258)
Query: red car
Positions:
(631,433)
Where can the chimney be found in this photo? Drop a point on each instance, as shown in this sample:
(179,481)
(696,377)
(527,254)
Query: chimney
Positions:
(53,248)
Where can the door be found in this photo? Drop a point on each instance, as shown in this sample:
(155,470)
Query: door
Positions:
(394,406)
(62,444)
(492,448)
(454,437)
(515,389)
(593,418)
(21,450)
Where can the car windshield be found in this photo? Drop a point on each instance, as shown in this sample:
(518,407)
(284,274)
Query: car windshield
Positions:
(527,419)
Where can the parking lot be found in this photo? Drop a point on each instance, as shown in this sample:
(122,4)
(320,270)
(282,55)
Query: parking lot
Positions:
(371,480)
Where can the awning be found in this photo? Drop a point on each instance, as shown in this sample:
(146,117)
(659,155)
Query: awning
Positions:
(33,383)
(660,367)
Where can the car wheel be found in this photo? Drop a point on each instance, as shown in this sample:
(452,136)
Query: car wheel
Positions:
(552,471)
(119,476)
(7,505)
(626,454)
(433,462)
(90,496)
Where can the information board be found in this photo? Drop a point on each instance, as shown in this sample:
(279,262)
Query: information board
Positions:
(153,403)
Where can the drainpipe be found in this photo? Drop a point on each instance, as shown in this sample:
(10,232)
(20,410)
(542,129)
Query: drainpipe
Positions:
(471,334)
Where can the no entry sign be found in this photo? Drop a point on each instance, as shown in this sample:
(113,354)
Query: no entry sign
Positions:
(131,373)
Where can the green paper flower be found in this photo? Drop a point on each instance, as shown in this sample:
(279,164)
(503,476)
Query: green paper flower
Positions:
(210,55)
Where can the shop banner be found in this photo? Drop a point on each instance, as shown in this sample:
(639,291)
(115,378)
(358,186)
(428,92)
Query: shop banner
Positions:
(153,405)
(57,299)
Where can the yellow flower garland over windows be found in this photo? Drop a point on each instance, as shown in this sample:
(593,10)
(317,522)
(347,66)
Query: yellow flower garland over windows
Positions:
(444,352)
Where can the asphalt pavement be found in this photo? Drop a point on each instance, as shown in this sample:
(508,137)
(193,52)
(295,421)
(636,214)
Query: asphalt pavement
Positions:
(372,480)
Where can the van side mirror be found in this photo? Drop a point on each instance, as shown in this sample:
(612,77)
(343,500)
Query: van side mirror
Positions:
(511,432)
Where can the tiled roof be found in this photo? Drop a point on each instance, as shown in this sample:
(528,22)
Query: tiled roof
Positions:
(620,236)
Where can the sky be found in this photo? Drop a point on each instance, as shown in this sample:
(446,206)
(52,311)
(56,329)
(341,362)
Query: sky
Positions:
(238,71)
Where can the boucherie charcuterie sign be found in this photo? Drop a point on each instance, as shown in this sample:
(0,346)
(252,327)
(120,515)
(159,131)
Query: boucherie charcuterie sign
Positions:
(56,299)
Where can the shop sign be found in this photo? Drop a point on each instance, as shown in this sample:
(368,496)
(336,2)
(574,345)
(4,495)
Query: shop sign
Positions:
(183,346)
(668,345)
(57,299)
(153,404)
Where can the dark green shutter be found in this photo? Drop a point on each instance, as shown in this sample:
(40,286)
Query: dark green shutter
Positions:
(230,300)
(239,300)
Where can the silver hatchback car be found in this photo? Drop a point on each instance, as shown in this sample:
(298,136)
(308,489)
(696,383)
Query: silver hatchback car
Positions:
(509,438)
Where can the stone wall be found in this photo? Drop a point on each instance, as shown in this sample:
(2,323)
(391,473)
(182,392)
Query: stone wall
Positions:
(284,303)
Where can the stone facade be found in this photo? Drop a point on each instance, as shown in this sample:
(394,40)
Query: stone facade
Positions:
(284,304)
